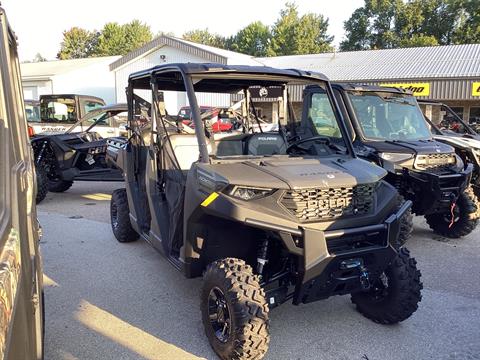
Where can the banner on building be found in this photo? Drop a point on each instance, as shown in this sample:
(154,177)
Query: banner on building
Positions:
(418,89)
(476,89)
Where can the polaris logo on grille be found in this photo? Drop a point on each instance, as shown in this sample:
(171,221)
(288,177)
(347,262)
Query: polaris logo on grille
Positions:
(332,203)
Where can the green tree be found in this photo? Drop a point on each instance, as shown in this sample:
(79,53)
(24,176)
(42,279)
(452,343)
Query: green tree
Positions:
(77,43)
(381,24)
(311,35)
(357,31)
(418,41)
(116,39)
(468,30)
(295,35)
(283,31)
(111,40)
(254,40)
(205,37)
(371,26)
(137,34)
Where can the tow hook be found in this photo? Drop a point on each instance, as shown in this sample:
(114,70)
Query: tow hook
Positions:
(364,275)
(364,278)
(453,205)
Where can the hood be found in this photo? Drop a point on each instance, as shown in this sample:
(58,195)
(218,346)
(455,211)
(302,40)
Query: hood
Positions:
(459,141)
(300,173)
(415,147)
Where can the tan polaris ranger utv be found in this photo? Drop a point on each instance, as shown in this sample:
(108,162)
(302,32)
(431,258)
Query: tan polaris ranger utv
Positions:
(21,300)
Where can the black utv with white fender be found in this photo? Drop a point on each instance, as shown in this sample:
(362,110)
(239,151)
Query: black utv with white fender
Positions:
(77,154)
(264,217)
(390,130)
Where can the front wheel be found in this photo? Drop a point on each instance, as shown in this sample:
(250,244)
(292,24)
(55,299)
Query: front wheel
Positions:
(395,294)
(460,221)
(234,310)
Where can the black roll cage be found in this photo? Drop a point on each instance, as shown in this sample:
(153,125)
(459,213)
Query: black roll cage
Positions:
(450,110)
(188,70)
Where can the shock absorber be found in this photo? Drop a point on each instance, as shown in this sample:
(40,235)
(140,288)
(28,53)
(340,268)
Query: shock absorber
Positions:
(40,153)
(262,256)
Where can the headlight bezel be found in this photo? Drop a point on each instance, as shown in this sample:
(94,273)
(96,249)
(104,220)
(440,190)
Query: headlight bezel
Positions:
(248,193)
(395,157)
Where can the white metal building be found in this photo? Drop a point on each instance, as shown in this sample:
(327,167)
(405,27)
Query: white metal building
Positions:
(91,76)
(168,49)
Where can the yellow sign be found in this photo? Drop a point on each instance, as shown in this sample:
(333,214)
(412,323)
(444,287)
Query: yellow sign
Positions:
(418,89)
(476,89)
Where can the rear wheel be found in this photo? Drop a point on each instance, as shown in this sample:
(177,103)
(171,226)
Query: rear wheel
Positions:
(58,185)
(42,184)
(234,310)
(461,220)
(395,295)
(120,217)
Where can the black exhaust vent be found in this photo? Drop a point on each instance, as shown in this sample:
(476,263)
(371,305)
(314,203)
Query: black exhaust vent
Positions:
(332,203)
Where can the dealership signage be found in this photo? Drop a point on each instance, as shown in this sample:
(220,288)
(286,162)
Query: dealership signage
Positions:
(476,89)
(418,89)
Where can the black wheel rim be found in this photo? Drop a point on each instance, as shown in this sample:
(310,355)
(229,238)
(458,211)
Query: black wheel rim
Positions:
(219,314)
(114,215)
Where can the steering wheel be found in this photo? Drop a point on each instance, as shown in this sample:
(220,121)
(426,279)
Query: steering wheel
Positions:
(317,138)
(85,137)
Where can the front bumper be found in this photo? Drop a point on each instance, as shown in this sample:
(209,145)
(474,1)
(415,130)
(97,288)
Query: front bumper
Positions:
(325,255)
(433,193)
(321,252)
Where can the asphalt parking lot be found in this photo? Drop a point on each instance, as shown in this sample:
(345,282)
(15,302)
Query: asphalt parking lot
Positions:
(106,300)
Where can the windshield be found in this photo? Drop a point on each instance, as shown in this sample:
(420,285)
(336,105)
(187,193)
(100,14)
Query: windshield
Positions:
(33,112)
(445,119)
(89,105)
(322,121)
(58,110)
(322,116)
(389,116)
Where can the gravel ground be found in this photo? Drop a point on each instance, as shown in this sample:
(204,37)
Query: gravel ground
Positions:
(106,300)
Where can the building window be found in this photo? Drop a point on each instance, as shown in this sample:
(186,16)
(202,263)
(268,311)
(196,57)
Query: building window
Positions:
(458,110)
(475,116)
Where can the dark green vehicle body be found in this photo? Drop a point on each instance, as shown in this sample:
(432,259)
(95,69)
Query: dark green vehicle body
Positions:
(21,301)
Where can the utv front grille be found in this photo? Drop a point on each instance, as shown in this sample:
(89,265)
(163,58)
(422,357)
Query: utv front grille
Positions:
(435,162)
(332,203)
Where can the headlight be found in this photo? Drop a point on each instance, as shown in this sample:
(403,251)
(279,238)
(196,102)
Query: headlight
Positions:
(434,160)
(249,193)
(395,157)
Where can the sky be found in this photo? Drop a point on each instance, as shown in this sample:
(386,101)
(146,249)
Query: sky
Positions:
(39,23)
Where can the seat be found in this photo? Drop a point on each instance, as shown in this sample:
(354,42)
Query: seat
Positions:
(266,144)
(185,147)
